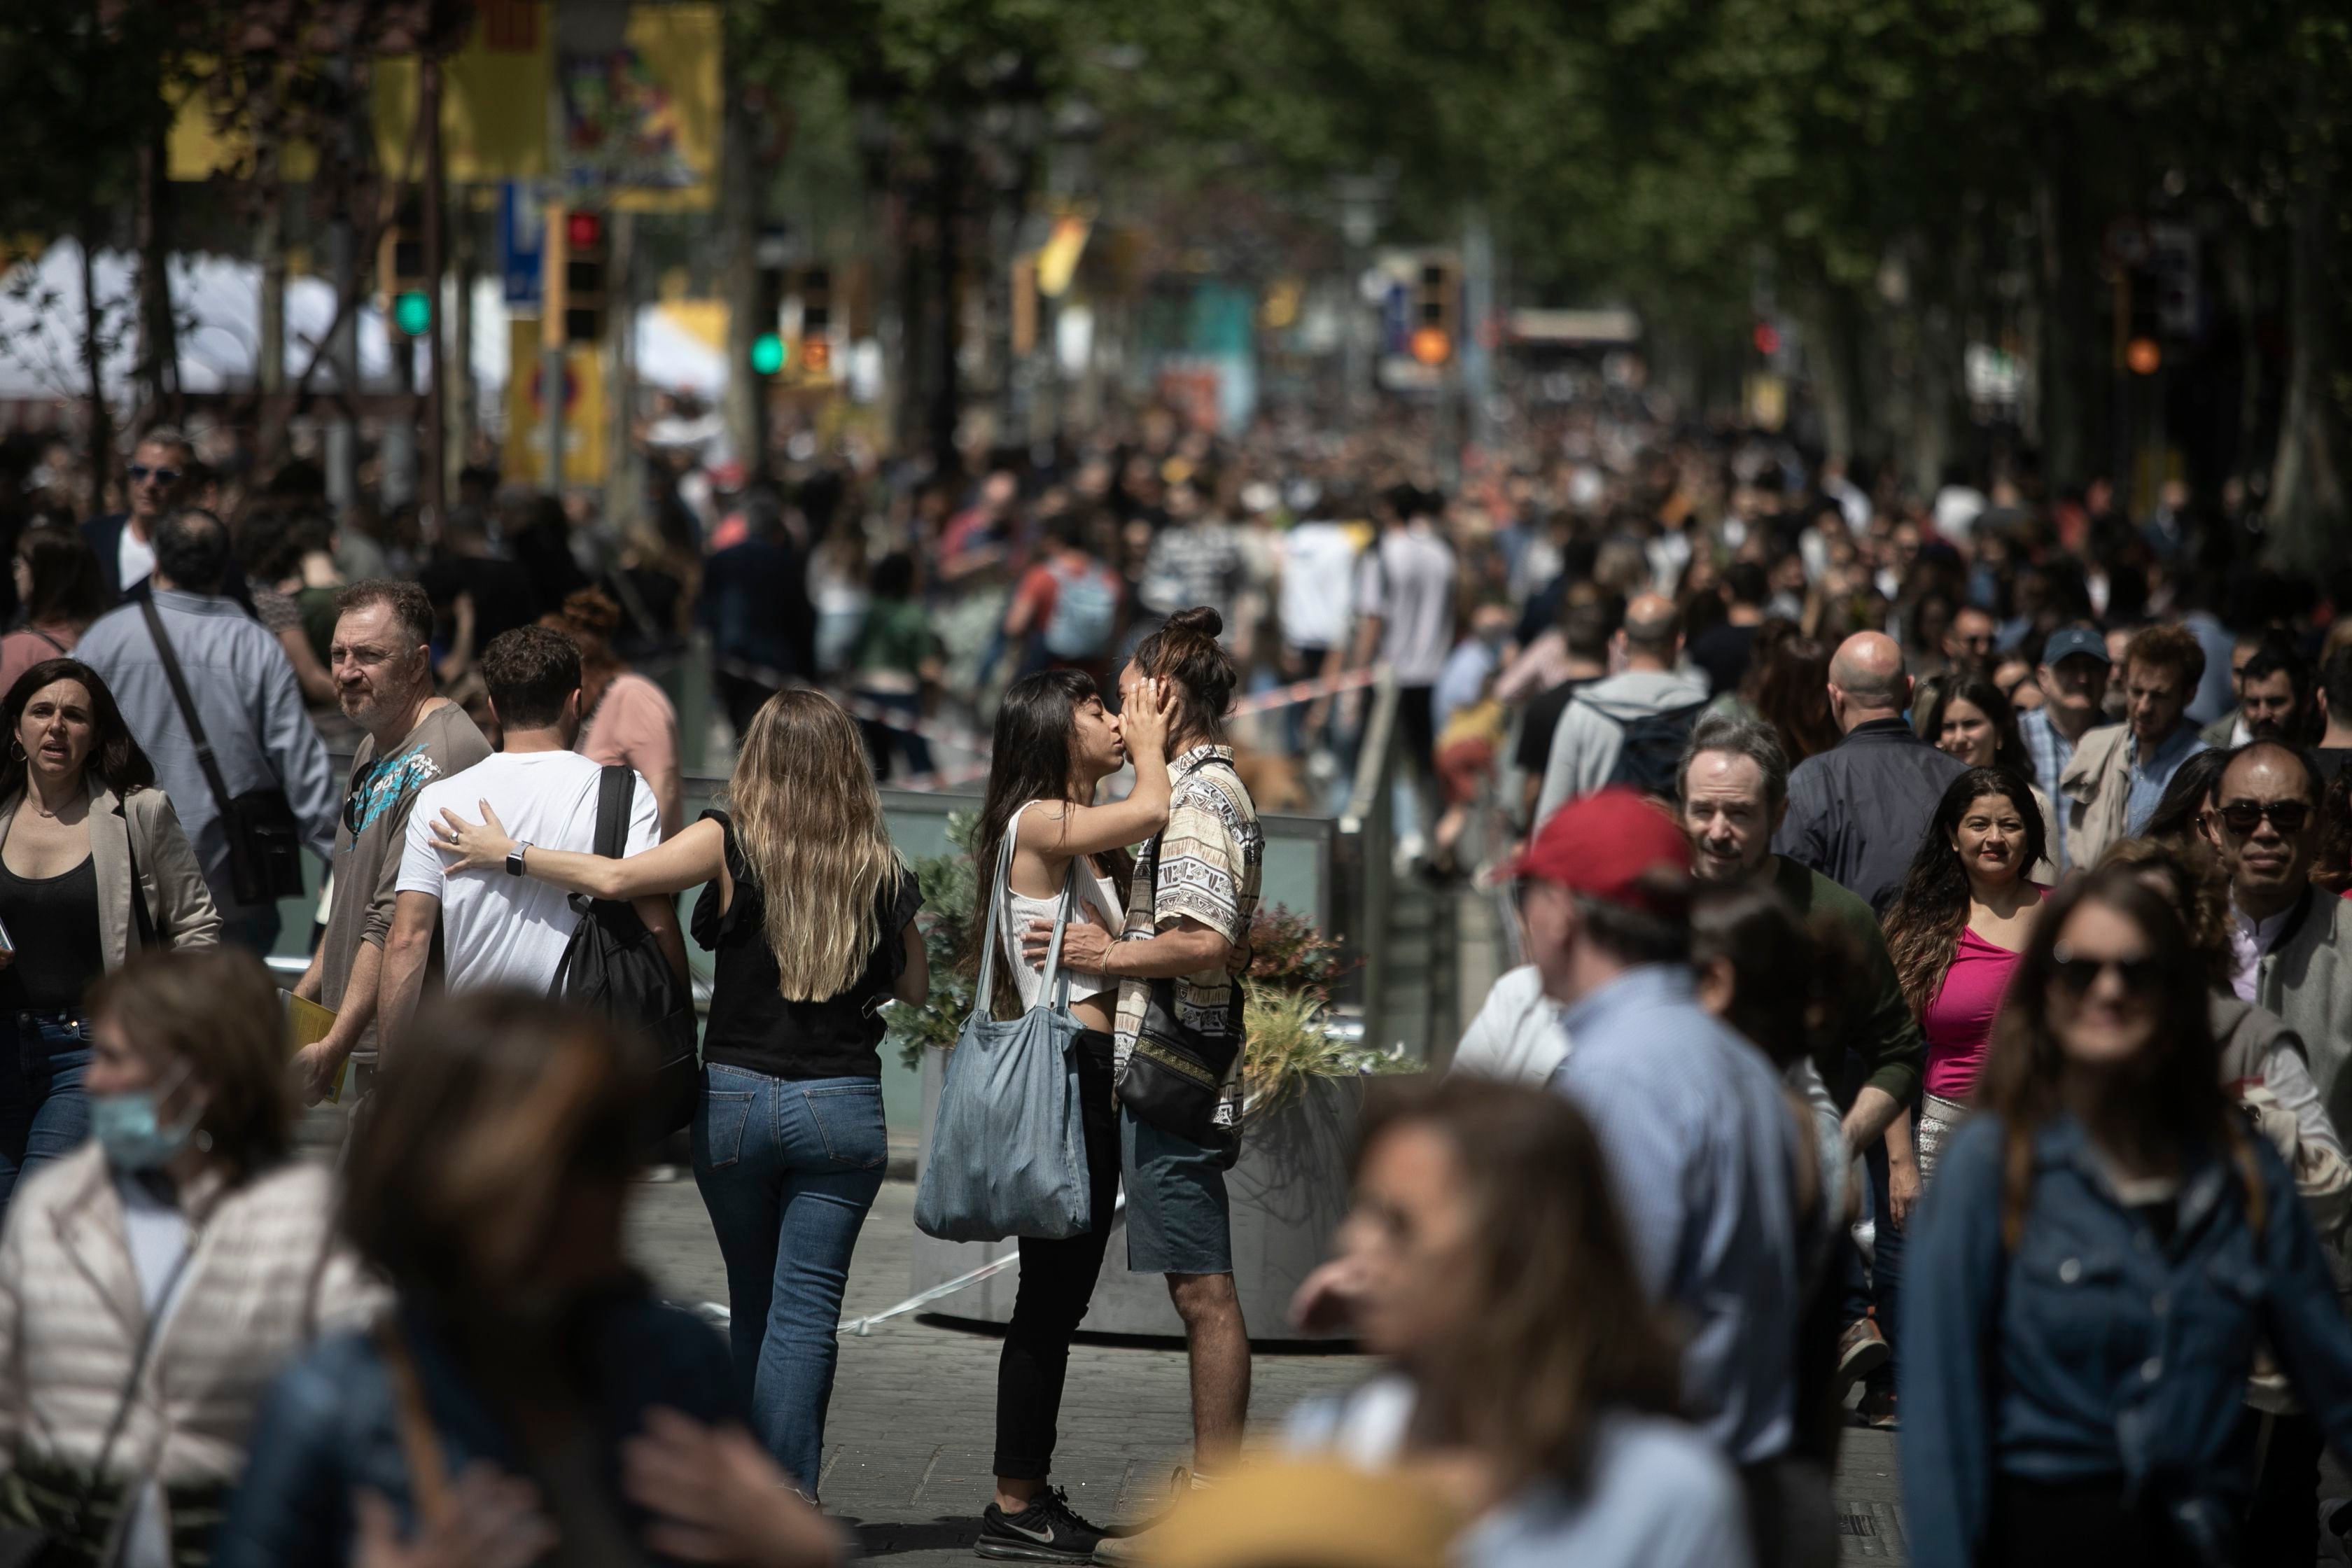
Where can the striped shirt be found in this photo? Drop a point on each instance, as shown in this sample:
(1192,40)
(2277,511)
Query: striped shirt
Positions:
(1204,865)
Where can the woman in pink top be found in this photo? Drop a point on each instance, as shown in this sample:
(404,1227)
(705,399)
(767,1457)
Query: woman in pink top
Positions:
(59,587)
(1956,931)
(630,719)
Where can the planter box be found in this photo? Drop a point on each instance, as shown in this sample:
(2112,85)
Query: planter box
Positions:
(1288,1194)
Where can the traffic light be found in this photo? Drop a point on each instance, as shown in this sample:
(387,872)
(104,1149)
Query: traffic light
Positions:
(767,310)
(816,321)
(400,275)
(1434,306)
(583,278)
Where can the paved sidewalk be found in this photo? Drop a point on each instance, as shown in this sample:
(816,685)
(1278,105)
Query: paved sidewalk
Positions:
(908,1440)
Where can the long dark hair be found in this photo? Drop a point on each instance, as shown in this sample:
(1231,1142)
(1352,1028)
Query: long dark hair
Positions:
(1922,924)
(2007,745)
(1789,977)
(1563,1334)
(68,587)
(1788,685)
(1029,759)
(2179,1086)
(114,759)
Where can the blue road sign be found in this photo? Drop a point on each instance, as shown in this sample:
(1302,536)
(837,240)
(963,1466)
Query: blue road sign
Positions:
(522,238)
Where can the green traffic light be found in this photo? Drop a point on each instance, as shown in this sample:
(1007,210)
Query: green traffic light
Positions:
(412,313)
(767,354)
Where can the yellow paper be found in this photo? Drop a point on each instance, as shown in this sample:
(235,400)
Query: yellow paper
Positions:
(307,1023)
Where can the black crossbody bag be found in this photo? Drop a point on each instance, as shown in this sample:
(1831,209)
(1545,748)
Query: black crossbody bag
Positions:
(1176,1073)
(264,842)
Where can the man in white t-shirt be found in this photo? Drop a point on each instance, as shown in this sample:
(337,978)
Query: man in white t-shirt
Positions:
(502,928)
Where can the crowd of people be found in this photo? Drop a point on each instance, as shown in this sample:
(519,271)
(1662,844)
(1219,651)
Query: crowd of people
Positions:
(1932,1018)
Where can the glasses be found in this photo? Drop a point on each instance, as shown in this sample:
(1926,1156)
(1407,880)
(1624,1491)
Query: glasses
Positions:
(2241,816)
(141,473)
(2077,973)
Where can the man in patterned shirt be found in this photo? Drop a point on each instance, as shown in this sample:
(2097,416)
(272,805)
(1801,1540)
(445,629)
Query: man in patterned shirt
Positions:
(1187,920)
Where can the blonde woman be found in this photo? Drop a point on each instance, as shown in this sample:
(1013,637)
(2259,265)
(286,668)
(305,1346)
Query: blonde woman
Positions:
(811,915)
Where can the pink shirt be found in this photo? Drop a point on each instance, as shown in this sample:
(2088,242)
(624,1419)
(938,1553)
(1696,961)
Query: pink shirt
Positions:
(1958,1022)
(635,724)
(20,651)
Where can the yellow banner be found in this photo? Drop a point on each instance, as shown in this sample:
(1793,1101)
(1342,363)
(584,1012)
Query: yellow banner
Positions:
(206,139)
(644,123)
(585,420)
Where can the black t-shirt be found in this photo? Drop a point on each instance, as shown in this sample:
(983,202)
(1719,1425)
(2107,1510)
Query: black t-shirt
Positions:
(1722,651)
(1543,718)
(752,1025)
(2331,761)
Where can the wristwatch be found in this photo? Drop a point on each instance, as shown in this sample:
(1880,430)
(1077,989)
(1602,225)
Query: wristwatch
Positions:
(515,855)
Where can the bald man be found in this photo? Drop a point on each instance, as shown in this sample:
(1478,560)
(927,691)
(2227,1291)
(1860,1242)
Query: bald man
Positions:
(1856,811)
(1630,727)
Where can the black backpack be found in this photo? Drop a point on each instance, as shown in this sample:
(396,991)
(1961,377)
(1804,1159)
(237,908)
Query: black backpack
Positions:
(1652,750)
(613,966)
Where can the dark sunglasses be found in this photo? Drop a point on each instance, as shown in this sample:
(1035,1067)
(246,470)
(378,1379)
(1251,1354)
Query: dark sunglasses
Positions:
(141,473)
(2241,816)
(2077,976)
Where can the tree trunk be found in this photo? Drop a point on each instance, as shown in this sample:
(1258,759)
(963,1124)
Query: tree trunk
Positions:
(740,206)
(2307,499)
(2068,364)
(270,351)
(93,364)
(159,355)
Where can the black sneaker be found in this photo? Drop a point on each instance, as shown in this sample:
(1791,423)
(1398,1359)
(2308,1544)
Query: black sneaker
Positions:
(1048,1531)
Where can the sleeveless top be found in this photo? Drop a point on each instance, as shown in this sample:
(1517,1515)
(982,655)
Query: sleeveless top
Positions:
(1014,911)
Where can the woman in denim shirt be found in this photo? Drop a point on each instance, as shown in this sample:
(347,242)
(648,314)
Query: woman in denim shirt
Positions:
(2106,1245)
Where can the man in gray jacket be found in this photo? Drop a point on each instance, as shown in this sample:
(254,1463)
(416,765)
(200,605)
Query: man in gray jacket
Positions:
(2291,938)
(245,692)
(1650,699)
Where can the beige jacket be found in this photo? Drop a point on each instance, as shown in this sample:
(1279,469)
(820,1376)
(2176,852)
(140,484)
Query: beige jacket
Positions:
(2096,791)
(265,1275)
(178,901)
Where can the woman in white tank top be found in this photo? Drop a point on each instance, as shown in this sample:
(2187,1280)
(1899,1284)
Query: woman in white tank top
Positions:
(1053,746)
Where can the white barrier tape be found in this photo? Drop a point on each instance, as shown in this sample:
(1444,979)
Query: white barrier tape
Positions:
(863,1327)
(1306,690)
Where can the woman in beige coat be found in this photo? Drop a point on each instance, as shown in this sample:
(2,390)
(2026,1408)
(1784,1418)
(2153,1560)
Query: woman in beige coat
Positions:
(153,1281)
(93,867)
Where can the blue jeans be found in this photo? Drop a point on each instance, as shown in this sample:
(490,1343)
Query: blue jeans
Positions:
(43,1115)
(788,1168)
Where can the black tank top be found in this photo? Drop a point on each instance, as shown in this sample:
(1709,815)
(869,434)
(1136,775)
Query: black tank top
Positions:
(53,920)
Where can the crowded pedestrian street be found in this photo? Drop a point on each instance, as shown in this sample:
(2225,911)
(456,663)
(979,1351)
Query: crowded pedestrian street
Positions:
(1230,785)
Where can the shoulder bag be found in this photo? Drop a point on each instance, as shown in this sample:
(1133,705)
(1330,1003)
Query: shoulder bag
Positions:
(264,842)
(1175,1076)
(37,1546)
(1008,1151)
(612,965)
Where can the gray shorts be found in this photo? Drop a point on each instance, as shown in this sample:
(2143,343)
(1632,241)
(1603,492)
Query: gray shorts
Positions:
(1177,1221)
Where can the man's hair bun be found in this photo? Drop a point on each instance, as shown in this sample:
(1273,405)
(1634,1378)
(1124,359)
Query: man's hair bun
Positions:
(1201,618)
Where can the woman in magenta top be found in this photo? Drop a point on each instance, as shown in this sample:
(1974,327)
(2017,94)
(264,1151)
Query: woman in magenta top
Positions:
(1955,931)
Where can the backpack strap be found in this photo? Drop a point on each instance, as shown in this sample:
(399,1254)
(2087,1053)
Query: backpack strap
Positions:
(616,787)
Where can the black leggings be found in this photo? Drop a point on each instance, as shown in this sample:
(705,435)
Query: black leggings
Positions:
(1057,1281)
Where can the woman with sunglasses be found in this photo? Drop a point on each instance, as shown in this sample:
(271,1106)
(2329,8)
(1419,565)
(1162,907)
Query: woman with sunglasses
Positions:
(93,867)
(1955,930)
(2103,1250)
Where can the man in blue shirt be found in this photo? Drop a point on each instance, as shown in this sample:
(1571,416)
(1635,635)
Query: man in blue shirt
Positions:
(2118,775)
(1702,1145)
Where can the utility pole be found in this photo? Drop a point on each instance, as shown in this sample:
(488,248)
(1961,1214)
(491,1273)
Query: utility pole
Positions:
(343,343)
(550,306)
(1477,314)
(436,470)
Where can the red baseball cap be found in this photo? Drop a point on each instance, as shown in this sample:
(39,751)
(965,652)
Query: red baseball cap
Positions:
(1612,845)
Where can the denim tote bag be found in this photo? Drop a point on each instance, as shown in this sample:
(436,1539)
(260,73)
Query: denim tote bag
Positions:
(1008,1153)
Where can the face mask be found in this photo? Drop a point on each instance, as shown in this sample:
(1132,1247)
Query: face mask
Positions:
(130,1130)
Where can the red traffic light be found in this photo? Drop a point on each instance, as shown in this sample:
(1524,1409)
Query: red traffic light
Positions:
(584,231)
(1767,338)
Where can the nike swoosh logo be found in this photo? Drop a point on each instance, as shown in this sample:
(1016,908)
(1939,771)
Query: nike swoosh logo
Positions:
(1042,1537)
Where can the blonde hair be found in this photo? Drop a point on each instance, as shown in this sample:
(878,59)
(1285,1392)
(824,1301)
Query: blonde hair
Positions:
(810,821)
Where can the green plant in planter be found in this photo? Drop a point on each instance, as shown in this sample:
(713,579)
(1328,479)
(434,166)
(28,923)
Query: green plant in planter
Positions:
(1290,1040)
(951,891)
